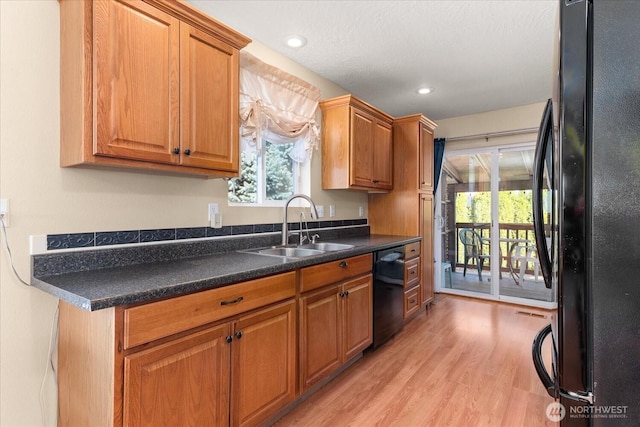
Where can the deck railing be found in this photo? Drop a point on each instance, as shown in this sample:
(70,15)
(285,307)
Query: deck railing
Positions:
(507,231)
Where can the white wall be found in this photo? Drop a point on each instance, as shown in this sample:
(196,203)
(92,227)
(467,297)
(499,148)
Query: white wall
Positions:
(509,119)
(45,198)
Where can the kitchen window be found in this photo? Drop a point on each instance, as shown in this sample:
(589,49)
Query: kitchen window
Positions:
(278,134)
(270,177)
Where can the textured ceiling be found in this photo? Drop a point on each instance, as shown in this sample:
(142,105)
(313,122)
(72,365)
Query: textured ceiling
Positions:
(478,55)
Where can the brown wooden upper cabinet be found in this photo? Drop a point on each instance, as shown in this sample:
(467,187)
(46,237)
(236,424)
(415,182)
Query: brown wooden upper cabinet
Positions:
(357,145)
(155,87)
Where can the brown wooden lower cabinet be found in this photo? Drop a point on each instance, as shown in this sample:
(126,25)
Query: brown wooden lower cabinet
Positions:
(186,381)
(215,365)
(335,325)
(263,364)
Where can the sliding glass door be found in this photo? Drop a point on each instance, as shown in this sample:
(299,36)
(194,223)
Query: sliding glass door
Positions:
(465,205)
(486,246)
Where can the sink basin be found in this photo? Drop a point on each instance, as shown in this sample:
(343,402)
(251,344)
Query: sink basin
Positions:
(326,246)
(290,252)
(299,251)
(285,251)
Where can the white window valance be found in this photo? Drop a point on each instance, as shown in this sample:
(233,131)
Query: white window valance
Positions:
(277,107)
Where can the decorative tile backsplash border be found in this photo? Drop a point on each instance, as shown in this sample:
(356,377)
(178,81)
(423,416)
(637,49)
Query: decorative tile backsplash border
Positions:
(109,238)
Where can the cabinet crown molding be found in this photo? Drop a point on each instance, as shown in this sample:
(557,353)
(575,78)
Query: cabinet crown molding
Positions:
(358,103)
(417,118)
(187,13)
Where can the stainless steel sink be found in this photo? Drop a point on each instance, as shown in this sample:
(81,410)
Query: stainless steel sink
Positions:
(326,246)
(301,251)
(290,252)
(284,251)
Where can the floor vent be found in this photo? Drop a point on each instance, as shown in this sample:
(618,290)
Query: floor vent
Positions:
(529,313)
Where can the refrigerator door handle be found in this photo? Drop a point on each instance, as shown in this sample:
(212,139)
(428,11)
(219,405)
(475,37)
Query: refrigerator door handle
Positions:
(546,130)
(536,352)
(551,385)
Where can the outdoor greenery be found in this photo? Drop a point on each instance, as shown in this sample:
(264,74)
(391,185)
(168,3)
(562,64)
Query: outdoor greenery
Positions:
(513,207)
(243,188)
(279,172)
(278,176)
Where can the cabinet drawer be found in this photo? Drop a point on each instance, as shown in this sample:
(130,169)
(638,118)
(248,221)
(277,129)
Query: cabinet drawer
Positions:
(330,272)
(411,273)
(149,322)
(411,302)
(412,250)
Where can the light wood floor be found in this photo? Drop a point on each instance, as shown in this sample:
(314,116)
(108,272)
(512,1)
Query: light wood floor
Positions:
(464,362)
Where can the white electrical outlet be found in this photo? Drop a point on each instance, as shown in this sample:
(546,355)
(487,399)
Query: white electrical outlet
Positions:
(361,211)
(212,212)
(320,210)
(332,210)
(213,209)
(4,211)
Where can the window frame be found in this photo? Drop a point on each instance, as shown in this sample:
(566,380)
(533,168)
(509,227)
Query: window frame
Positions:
(301,181)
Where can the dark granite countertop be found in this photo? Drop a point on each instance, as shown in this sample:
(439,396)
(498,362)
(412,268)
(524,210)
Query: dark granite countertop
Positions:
(113,283)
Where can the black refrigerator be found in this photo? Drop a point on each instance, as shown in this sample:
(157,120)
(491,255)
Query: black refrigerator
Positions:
(588,171)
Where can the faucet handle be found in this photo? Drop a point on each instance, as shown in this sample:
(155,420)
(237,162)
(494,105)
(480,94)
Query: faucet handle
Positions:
(314,238)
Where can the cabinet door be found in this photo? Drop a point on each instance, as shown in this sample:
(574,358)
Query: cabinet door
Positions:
(426,208)
(263,364)
(382,156)
(357,299)
(320,335)
(362,130)
(209,97)
(182,382)
(135,82)
(426,158)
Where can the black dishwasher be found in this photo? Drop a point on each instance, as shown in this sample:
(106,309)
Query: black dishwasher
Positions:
(388,294)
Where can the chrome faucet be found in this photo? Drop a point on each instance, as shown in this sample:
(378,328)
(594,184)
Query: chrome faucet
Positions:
(285,223)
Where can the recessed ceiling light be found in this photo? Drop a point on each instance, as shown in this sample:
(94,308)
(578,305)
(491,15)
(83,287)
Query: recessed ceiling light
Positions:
(295,41)
(425,90)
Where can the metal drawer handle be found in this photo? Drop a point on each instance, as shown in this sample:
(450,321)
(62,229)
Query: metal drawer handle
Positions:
(234,301)
(344,264)
(411,301)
